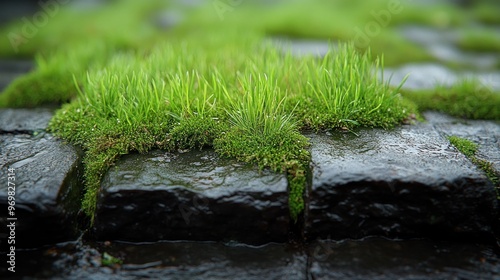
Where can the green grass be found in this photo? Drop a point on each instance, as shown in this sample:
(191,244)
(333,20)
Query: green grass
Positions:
(466,99)
(247,102)
(345,91)
(469,149)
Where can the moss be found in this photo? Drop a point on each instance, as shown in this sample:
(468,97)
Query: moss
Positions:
(469,149)
(466,147)
(173,98)
(195,133)
(466,99)
(109,260)
(487,13)
(282,153)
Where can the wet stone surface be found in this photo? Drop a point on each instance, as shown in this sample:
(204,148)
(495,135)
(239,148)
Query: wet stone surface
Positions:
(191,196)
(47,179)
(24,120)
(370,258)
(47,188)
(165,260)
(376,258)
(408,182)
(484,133)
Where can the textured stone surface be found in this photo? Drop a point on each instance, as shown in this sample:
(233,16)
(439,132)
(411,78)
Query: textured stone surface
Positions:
(376,258)
(24,120)
(370,258)
(484,133)
(403,183)
(48,188)
(191,196)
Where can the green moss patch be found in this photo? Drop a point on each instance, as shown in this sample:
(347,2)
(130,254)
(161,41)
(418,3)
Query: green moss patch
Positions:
(469,149)
(466,99)
(246,101)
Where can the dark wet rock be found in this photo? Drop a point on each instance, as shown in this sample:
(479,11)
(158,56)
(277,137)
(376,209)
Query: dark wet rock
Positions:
(24,120)
(11,69)
(177,260)
(47,188)
(376,258)
(370,258)
(484,133)
(191,196)
(408,182)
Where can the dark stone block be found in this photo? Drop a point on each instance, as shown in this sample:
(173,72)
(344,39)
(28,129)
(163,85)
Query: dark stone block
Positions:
(47,188)
(409,182)
(191,196)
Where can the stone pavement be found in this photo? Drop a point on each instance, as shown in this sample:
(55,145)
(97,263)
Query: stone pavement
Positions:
(404,183)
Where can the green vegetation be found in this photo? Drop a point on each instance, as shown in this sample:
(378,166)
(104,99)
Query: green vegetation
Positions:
(213,82)
(245,102)
(466,147)
(108,260)
(466,99)
(480,41)
(124,23)
(469,149)
(487,13)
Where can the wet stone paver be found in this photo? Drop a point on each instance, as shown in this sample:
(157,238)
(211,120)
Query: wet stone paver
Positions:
(191,196)
(408,182)
(484,133)
(369,258)
(48,183)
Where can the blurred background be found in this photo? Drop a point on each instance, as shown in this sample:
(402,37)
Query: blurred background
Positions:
(434,40)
